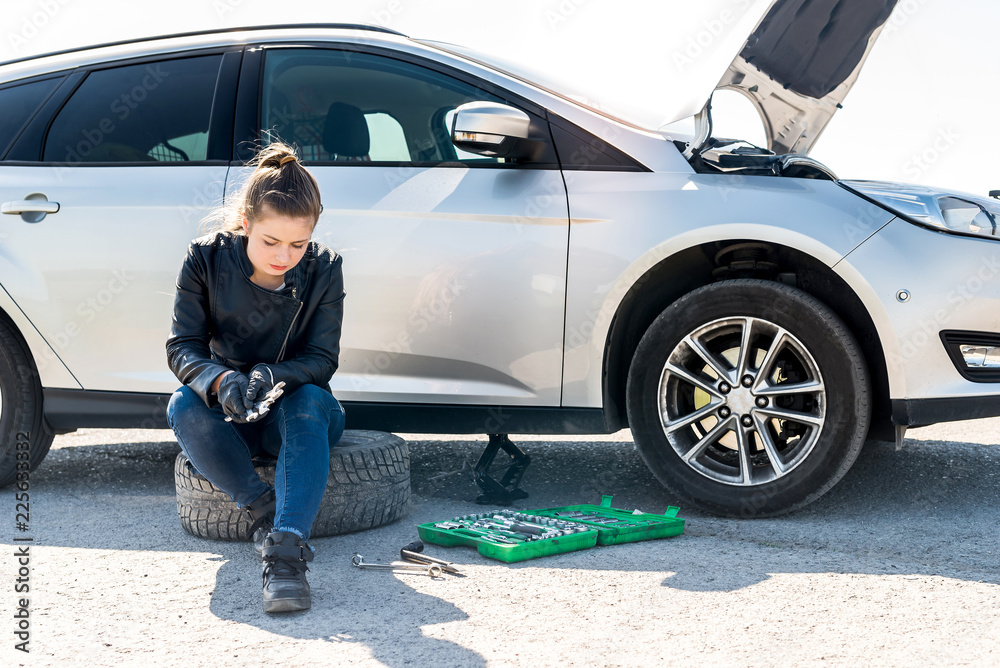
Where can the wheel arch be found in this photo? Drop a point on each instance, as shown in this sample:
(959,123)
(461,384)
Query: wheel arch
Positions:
(701,264)
(52,372)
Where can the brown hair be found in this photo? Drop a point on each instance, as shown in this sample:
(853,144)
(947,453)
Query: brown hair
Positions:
(278,185)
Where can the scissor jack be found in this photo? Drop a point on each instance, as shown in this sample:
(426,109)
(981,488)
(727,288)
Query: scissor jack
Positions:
(506,491)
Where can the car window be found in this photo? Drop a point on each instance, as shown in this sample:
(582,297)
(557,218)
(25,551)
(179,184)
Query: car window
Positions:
(388,142)
(18,102)
(342,106)
(152,112)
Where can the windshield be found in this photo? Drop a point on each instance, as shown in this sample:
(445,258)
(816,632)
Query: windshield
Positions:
(634,117)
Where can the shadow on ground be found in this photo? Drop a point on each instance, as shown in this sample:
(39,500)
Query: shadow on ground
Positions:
(928,510)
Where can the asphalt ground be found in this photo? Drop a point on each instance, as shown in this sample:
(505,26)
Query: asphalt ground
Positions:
(897,565)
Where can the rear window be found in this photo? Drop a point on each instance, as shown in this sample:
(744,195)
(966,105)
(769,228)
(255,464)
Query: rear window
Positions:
(18,104)
(152,112)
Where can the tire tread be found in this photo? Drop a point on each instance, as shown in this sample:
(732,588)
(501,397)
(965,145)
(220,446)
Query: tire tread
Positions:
(368,486)
(17,365)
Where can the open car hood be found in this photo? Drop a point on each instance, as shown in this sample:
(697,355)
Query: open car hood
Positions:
(799,63)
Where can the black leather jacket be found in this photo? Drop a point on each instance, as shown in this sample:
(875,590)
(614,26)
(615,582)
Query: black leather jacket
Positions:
(222,320)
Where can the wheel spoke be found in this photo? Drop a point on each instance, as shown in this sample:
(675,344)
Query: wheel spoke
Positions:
(794,416)
(709,358)
(701,413)
(694,380)
(783,389)
(745,342)
(769,447)
(743,449)
(709,438)
(776,345)
(786,379)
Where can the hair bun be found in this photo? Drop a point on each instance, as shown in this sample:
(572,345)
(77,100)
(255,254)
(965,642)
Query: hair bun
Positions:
(287,158)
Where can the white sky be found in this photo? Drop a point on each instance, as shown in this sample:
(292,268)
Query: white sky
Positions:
(923,110)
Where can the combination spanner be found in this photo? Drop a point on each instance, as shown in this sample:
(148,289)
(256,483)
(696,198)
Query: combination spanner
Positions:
(432,570)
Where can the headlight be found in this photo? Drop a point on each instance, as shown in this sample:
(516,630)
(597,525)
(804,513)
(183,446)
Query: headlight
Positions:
(954,212)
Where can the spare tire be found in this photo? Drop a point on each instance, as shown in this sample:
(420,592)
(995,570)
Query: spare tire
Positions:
(368,486)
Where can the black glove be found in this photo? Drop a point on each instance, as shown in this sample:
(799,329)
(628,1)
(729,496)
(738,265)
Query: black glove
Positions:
(261,382)
(232,396)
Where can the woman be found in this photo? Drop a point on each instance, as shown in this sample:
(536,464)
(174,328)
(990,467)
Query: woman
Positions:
(258,304)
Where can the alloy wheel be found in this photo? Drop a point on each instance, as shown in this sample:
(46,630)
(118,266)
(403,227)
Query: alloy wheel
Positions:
(742,401)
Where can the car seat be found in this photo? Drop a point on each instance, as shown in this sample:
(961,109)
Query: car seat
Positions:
(345,134)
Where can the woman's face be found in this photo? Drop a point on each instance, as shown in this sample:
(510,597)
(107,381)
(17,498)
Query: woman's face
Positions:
(276,243)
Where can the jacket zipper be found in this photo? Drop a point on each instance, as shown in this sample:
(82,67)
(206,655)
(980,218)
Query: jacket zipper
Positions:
(289,332)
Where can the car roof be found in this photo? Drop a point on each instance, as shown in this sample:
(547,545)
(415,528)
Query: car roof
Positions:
(61,62)
(69,58)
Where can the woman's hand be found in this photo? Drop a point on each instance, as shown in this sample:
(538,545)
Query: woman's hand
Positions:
(218,380)
(262,381)
(233,395)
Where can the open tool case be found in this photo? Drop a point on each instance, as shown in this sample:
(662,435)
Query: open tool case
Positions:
(616,526)
(518,535)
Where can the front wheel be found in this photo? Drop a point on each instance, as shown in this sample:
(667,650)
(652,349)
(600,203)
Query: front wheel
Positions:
(748,398)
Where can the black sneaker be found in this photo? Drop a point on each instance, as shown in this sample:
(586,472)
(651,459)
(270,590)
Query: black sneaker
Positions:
(259,535)
(260,514)
(284,558)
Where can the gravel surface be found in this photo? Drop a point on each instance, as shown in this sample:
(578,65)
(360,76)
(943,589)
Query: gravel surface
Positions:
(897,565)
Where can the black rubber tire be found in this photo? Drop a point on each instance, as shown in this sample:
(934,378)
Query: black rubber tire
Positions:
(25,438)
(368,486)
(825,337)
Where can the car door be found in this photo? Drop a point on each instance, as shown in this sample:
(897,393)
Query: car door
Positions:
(454,263)
(128,157)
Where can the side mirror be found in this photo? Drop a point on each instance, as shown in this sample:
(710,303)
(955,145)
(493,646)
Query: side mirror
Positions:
(491,129)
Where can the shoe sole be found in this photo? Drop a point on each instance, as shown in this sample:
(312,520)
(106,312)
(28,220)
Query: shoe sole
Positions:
(287,605)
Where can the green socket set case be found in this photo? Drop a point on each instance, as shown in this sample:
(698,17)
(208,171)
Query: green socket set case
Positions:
(615,526)
(509,535)
(517,535)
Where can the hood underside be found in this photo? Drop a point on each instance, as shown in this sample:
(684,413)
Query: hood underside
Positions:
(800,62)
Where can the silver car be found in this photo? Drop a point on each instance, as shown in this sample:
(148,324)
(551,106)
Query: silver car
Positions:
(515,261)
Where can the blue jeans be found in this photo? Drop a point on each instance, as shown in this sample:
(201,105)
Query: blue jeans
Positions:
(299,430)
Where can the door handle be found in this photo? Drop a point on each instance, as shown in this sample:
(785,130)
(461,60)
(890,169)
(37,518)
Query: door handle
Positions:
(29,206)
